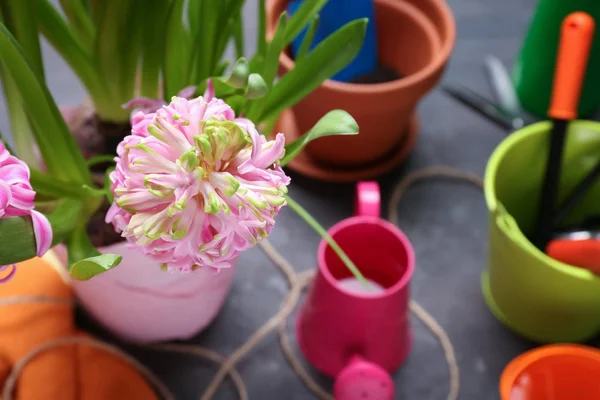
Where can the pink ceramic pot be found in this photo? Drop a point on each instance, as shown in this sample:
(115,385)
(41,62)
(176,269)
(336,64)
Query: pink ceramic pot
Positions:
(138,302)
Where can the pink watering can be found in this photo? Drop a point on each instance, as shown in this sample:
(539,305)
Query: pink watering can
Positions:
(354,334)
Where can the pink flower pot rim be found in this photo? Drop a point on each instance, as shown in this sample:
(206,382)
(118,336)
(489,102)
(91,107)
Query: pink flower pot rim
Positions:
(443,45)
(392,230)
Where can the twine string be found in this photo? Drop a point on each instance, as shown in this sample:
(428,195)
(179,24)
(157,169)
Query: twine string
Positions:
(297,282)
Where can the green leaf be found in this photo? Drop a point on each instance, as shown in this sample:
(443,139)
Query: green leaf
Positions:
(238,78)
(222,89)
(238,34)
(87,268)
(325,235)
(22,24)
(85,261)
(221,68)
(117,58)
(256,63)
(308,38)
(336,122)
(101,159)
(270,65)
(72,50)
(276,46)
(261,40)
(237,103)
(19,123)
(257,87)
(17,240)
(130,51)
(50,186)
(106,52)
(107,183)
(153,43)
(301,18)
(80,20)
(228,18)
(195,16)
(58,147)
(178,50)
(205,28)
(329,57)
(97,9)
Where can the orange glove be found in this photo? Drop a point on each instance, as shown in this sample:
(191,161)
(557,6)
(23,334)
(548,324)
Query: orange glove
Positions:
(69,372)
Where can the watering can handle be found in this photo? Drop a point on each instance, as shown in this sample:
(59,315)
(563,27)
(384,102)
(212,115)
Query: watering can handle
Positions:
(367,202)
(363,380)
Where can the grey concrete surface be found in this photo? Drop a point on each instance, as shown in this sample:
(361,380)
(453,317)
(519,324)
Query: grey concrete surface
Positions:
(446,223)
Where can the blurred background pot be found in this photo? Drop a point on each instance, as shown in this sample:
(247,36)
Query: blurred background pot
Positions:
(415,39)
(533,72)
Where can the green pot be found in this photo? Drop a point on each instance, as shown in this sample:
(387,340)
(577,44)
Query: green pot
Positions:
(536,296)
(533,72)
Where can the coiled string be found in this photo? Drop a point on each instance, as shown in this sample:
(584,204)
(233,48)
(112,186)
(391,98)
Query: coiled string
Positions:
(297,282)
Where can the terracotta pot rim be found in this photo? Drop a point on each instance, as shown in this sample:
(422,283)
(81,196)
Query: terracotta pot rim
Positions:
(306,166)
(437,62)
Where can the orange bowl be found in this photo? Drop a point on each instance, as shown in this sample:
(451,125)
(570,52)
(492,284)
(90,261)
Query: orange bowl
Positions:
(557,372)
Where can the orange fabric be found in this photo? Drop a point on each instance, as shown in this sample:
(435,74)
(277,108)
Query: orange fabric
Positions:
(74,372)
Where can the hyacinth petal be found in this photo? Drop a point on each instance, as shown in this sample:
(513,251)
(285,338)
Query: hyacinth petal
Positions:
(209,93)
(15,173)
(172,135)
(189,192)
(16,200)
(187,92)
(255,137)
(6,278)
(42,231)
(4,154)
(144,103)
(5,196)
(22,198)
(225,182)
(139,199)
(270,152)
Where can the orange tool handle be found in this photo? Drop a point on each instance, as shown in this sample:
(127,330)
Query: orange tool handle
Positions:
(578,253)
(577,32)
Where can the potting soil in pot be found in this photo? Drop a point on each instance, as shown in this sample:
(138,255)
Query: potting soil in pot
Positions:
(380,74)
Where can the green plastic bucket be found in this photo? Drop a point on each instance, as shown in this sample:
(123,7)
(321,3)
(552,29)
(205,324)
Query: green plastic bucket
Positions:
(536,296)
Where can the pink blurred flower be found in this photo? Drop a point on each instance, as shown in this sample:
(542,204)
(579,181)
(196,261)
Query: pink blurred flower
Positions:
(194,186)
(16,200)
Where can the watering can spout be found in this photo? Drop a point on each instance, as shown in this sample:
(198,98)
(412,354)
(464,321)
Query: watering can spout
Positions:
(363,380)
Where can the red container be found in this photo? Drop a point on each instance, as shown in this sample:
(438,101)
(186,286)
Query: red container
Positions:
(344,331)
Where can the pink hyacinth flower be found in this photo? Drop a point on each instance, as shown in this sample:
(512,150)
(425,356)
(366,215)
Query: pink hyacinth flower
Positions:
(149,105)
(16,200)
(194,185)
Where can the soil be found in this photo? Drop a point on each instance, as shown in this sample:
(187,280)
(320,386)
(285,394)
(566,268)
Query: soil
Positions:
(380,74)
(102,234)
(96,137)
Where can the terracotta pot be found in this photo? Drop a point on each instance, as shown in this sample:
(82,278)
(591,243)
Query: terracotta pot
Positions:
(415,38)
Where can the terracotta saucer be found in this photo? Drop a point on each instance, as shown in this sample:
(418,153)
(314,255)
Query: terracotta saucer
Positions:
(305,165)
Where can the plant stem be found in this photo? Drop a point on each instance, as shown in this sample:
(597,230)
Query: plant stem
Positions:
(332,243)
(101,159)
